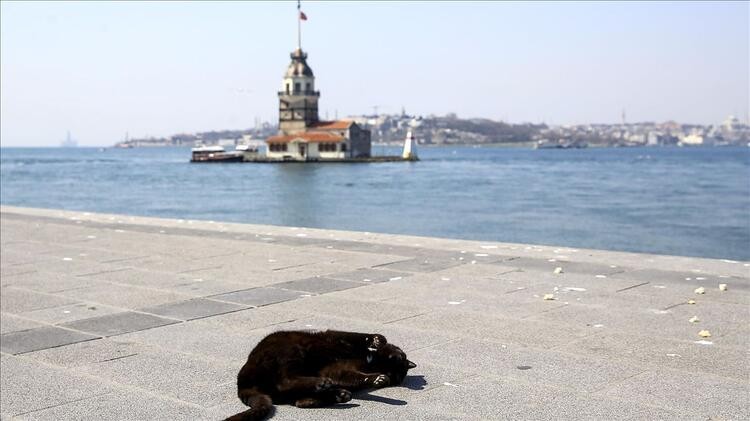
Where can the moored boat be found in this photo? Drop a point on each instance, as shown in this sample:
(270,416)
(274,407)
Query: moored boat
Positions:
(214,154)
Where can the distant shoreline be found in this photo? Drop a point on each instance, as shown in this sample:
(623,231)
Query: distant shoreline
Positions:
(518,145)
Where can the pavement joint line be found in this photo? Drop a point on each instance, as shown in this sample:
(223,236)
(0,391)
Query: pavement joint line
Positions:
(608,386)
(116,358)
(510,271)
(674,305)
(102,272)
(633,286)
(293,266)
(450,341)
(123,259)
(405,318)
(20,273)
(547,310)
(199,269)
(398,261)
(231,253)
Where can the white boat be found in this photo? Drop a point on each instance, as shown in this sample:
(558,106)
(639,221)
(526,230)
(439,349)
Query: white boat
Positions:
(214,154)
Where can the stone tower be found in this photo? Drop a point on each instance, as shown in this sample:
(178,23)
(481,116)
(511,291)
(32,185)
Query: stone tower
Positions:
(298,99)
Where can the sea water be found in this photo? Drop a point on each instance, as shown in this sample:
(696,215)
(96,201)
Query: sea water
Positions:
(681,201)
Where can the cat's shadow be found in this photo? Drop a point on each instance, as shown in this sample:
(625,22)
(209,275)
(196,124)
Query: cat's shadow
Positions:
(410,382)
(414,382)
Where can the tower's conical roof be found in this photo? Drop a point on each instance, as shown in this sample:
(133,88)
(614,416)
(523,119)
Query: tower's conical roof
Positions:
(298,66)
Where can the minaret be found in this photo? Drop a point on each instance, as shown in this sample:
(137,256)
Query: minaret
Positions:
(298,99)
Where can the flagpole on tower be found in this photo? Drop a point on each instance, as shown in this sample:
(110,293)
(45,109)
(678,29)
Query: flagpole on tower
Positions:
(299,26)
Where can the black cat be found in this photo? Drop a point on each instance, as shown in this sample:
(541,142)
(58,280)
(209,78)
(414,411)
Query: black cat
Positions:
(315,369)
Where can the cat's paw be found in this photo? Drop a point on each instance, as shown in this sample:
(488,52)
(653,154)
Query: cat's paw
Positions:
(375,342)
(381,380)
(324,384)
(343,395)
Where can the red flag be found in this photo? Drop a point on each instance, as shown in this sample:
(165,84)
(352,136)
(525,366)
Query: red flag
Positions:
(302,15)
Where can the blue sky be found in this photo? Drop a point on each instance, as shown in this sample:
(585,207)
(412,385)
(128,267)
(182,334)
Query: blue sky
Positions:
(100,69)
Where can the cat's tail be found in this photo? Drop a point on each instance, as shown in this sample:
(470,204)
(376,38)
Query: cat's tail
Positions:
(260,405)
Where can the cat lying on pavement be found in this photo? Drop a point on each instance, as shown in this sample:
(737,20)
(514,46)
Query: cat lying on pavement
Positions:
(315,369)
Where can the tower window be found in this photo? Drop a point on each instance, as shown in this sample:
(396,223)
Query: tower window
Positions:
(307,87)
(287,87)
(297,87)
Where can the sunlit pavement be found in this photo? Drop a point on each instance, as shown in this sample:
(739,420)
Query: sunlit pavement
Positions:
(119,317)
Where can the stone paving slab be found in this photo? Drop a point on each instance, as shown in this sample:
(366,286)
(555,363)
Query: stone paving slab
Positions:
(29,386)
(123,296)
(318,285)
(369,275)
(89,352)
(121,404)
(259,296)
(614,342)
(172,374)
(421,264)
(11,323)
(16,300)
(69,313)
(483,399)
(44,337)
(694,357)
(192,309)
(119,323)
(718,398)
(47,282)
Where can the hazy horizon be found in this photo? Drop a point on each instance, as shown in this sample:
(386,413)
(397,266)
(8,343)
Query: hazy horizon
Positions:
(156,69)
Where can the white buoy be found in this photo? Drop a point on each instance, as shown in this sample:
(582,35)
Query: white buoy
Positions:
(410,147)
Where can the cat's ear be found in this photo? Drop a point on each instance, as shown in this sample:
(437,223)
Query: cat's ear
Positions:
(411,364)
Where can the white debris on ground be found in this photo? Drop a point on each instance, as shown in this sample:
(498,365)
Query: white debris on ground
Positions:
(700,290)
(691,301)
(722,287)
(694,319)
(548,297)
(704,334)
(557,271)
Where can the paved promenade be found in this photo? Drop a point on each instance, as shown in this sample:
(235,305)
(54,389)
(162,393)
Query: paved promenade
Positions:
(130,318)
